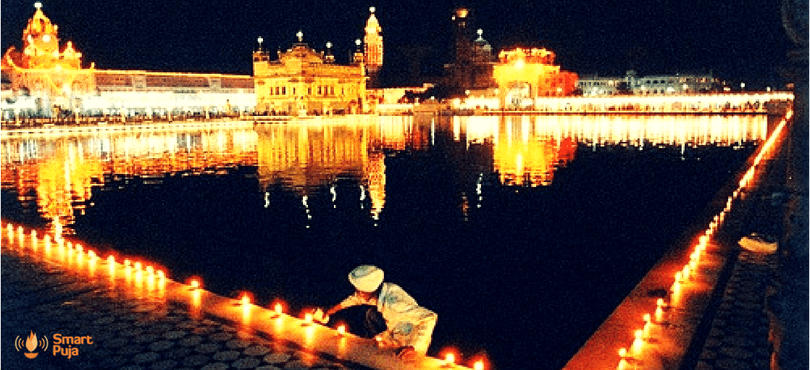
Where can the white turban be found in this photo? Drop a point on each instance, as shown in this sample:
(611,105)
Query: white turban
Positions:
(366,278)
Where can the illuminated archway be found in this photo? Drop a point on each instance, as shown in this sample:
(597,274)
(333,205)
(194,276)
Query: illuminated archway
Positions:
(518,94)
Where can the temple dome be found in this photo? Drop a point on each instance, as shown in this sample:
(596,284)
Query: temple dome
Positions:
(482,48)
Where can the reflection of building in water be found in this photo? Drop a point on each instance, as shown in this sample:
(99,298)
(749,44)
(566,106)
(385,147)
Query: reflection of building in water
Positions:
(305,81)
(523,158)
(47,82)
(375,171)
(309,156)
(306,157)
(56,174)
(528,149)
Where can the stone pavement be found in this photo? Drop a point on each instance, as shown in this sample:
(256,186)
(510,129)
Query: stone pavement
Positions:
(62,311)
(740,333)
(127,333)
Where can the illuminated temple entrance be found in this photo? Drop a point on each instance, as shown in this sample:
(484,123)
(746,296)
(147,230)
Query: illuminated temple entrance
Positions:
(518,95)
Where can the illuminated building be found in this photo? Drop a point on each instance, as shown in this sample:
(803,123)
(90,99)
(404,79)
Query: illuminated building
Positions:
(373,49)
(595,85)
(671,84)
(649,85)
(304,81)
(471,68)
(46,82)
(525,74)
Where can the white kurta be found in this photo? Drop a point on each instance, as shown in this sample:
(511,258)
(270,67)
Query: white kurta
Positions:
(408,324)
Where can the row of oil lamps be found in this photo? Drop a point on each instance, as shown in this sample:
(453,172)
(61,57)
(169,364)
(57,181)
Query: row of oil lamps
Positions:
(629,357)
(156,279)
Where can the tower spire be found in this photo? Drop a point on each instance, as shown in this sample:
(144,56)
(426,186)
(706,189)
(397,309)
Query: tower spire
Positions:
(373,47)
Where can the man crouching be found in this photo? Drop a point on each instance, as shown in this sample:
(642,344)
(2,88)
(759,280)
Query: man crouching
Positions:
(396,320)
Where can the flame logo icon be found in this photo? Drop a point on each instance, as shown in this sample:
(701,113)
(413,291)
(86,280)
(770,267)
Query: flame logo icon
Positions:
(31,343)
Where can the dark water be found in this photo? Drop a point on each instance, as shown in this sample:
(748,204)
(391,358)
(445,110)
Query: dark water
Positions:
(522,233)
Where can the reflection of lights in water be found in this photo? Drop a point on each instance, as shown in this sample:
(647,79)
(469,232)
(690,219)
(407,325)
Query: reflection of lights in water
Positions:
(47,245)
(670,135)
(57,229)
(91,260)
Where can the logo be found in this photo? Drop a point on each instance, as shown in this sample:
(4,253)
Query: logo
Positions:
(62,345)
(30,345)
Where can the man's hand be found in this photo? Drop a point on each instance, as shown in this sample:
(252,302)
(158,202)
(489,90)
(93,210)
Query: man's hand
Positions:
(407,353)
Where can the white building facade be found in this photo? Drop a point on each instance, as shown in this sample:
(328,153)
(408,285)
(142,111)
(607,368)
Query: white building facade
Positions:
(648,85)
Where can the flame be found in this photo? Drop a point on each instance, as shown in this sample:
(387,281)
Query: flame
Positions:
(31,342)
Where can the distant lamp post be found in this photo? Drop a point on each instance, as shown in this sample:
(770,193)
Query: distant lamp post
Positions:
(300,36)
(260,40)
(742,86)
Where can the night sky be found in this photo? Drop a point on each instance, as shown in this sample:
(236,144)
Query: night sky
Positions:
(739,40)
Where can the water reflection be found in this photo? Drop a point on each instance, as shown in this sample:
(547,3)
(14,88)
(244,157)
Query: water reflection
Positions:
(52,177)
(528,149)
